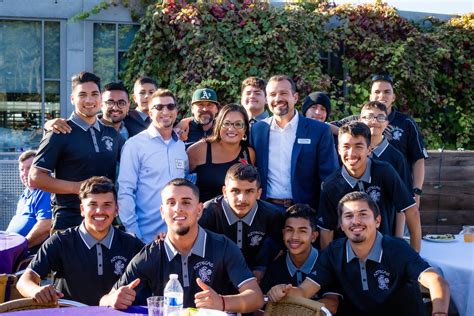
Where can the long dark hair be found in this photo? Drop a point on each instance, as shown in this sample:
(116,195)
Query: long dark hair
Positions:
(216,132)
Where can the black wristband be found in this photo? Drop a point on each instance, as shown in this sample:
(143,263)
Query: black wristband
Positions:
(417,191)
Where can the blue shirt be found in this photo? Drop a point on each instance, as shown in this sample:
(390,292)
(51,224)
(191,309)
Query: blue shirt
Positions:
(33,206)
(147,164)
(369,286)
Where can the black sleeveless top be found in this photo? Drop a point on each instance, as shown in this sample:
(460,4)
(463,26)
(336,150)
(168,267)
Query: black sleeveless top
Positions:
(211,176)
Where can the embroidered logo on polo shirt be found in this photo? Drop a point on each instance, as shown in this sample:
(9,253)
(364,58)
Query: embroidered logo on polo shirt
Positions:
(374,192)
(382,277)
(109,142)
(204,270)
(395,133)
(119,264)
(255,238)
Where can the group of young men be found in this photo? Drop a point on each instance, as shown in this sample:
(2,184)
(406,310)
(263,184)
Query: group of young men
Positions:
(262,232)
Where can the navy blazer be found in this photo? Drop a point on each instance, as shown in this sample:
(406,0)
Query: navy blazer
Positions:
(313,158)
(134,123)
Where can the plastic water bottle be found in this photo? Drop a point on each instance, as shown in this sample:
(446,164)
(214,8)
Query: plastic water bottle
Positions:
(173,294)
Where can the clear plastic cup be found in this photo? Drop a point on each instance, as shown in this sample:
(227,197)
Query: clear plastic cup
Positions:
(155,305)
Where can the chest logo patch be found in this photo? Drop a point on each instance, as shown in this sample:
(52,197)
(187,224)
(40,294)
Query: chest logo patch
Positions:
(394,132)
(383,280)
(108,142)
(119,264)
(255,238)
(374,193)
(204,270)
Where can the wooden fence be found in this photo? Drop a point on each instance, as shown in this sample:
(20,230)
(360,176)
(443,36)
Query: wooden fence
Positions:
(447,202)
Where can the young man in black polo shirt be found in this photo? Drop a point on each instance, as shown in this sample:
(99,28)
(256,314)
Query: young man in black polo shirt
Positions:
(377,274)
(246,220)
(376,178)
(299,233)
(86,260)
(206,263)
(90,149)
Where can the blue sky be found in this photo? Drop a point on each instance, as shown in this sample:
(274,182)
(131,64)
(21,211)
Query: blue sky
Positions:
(430,6)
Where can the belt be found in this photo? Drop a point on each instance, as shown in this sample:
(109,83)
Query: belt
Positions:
(284,202)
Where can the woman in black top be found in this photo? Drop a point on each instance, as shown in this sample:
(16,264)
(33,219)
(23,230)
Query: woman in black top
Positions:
(210,158)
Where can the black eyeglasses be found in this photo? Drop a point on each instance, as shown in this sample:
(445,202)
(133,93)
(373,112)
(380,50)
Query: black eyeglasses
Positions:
(236,124)
(379,118)
(160,107)
(119,103)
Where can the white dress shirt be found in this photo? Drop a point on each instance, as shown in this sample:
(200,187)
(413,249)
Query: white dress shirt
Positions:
(280,149)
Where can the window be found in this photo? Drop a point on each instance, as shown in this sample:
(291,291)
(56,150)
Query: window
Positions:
(29,81)
(111,42)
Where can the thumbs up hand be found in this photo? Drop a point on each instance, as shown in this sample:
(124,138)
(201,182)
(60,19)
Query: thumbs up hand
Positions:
(122,297)
(208,298)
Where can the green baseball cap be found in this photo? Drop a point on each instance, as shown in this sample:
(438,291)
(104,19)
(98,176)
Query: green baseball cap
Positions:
(205,94)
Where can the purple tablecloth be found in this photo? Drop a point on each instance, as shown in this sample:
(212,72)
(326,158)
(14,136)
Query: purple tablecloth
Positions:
(12,247)
(81,311)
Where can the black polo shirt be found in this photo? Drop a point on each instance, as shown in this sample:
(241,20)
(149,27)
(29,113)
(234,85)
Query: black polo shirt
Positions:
(196,133)
(388,153)
(214,258)
(250,232)
(403,133)
(84,269)
(85,152)
(380,181)
(374,286)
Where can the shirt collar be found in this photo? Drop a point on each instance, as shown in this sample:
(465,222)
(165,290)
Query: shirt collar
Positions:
(199,247)
(377,151)
(262,116)
(143,116)
(366,177)
(375,253)
(232,218)
(91,241)
(307,265)
(76,119)
(153,132)
(292,124)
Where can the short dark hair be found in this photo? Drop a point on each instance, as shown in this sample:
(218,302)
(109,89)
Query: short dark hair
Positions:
(243,172)
(115,86)
(358,196)
(356,129)
(256,82)
(305,211)
(181,182)
(283,78)
(228,108)
(162,93)
(84,77)
(145,79)
(374,105)
(97,185)
(382,77)
(26,155)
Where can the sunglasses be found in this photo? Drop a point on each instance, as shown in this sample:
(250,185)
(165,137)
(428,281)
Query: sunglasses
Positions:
(160,107)
(379,118)
(236,125)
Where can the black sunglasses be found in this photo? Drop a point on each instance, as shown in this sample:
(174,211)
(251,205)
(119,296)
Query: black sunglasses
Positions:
(169,106)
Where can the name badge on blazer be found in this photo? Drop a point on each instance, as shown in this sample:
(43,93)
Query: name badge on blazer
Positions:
(179,163)
(304,141)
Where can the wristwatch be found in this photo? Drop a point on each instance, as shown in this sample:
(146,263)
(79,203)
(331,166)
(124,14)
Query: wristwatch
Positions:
(417,191)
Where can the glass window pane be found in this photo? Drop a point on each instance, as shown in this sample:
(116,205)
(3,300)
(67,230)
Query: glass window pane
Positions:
(126,35)
(20,83)
(51,50)
(104,51)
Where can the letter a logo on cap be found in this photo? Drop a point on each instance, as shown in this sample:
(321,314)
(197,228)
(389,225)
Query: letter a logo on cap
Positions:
(204,95)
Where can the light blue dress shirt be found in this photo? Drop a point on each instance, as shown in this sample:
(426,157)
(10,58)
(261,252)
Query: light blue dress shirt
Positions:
(147,164)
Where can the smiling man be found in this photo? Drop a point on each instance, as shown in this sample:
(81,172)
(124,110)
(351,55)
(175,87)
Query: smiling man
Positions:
(294,154)
(376,178)
(90,149)
(149,160)
(86,260)
(206,263)
(376,274)
(115,106)
(253,99)
(241,216)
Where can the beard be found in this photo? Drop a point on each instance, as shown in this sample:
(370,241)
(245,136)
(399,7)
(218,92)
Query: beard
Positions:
(182,231)
(205,118)
(280,111)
